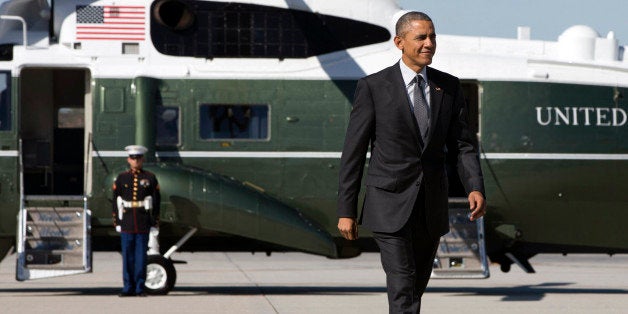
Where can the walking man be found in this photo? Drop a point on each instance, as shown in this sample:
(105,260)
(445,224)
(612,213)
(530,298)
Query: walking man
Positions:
(411,116)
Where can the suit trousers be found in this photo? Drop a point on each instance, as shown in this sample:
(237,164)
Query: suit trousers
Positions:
(134,248)
(407,258)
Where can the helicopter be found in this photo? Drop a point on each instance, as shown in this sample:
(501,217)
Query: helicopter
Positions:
(243,107)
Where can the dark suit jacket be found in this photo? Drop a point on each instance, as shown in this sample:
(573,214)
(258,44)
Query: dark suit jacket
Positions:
(400,162)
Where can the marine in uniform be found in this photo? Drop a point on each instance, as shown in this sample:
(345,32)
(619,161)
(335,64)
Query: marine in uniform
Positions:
(135,210)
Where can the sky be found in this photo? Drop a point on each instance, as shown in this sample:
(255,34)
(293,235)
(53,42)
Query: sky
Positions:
(546,18)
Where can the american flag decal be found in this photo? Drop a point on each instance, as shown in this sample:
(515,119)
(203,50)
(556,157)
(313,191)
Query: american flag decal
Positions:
(110,22)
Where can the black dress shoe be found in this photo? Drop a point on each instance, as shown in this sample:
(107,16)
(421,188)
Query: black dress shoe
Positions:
(126,294)
(141,294)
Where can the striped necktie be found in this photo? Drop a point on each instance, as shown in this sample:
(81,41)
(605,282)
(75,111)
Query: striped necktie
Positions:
(420,107)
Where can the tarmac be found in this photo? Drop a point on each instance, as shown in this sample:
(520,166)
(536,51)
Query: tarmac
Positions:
(302,283)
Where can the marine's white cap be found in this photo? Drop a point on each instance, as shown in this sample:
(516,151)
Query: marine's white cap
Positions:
(136,150)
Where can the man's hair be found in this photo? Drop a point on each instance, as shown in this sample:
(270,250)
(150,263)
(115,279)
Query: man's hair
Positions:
(404,21)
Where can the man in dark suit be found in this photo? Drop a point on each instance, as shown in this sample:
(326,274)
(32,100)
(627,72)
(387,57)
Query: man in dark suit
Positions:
(410,126)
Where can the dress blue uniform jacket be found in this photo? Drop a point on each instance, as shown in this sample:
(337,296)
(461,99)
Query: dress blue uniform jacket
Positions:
(135,186)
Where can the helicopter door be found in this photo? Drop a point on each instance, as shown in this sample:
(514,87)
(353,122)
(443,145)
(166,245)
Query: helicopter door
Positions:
(52,129)
(54,221)
(461,252)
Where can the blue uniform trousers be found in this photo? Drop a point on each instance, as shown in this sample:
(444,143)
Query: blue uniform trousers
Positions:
(134,247)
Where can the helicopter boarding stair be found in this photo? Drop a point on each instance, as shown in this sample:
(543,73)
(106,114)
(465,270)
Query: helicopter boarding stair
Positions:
(53,237)
(461,252)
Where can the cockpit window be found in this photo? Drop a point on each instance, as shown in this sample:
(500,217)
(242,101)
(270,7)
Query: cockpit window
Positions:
(223,121)
(5,101)
(211,29)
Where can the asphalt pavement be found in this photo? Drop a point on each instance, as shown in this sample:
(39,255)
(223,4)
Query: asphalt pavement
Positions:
(302,283)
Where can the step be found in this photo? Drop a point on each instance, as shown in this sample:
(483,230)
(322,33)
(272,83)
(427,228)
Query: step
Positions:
(54,197)
(55,267)
(55,259)
(63,252)
(43,214)
(54,209)
(465,254)
(458,273)
(54,241)
(78,224)
(457,263)
(54,232)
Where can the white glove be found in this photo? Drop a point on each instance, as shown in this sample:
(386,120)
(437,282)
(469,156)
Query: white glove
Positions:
(118,229)
(153,241)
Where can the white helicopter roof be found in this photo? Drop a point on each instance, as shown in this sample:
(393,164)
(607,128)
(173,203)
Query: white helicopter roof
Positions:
(580,55)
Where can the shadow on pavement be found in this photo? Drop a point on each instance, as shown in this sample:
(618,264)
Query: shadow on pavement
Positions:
(524,293)
(518,293)
(218,290)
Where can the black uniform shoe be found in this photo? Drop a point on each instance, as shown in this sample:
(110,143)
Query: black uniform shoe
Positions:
(126,294)
(141,294)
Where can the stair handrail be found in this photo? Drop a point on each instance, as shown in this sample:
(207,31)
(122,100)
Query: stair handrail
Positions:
(21,214)
(24,27)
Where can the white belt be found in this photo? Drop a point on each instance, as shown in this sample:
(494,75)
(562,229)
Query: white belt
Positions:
(133,204)
(147,203)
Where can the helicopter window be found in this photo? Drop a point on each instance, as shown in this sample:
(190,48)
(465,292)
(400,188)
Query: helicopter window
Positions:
(168,122)
(70,118)
(222,121)
(237,30)
(5,101)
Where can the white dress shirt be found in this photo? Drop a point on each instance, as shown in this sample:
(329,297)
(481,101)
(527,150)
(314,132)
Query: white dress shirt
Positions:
(408,79)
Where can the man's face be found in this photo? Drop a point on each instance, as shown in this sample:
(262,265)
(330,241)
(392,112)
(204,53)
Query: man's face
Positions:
(417,44)
(135,162)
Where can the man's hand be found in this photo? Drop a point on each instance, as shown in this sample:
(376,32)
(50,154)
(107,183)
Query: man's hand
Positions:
(477,205)
(348,228)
